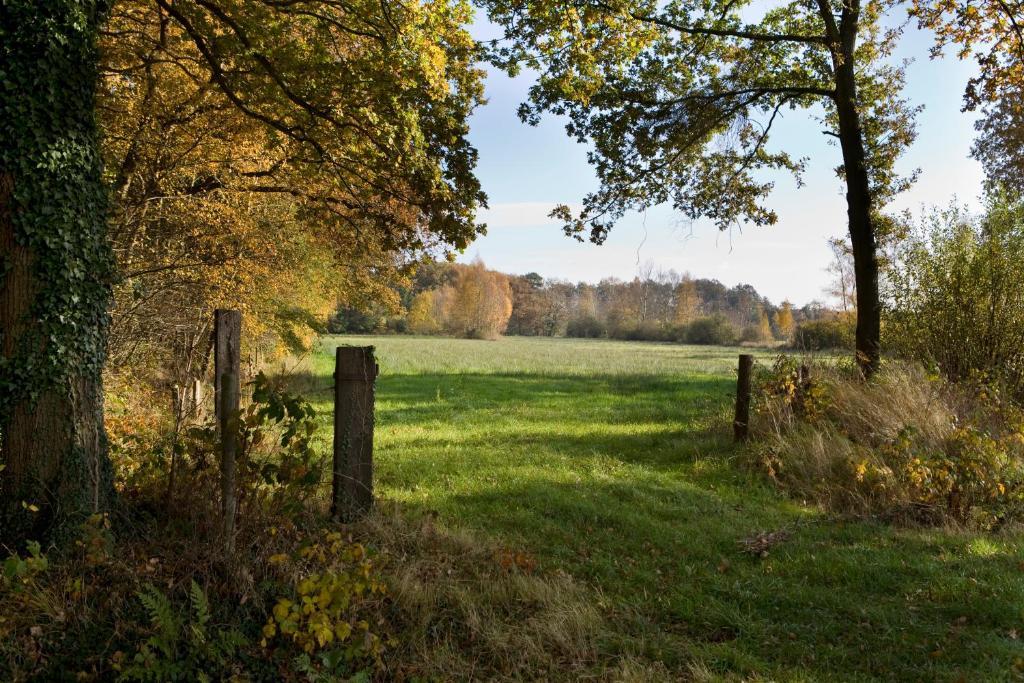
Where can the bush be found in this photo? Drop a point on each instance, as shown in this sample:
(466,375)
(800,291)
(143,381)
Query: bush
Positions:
(398,325)
(715,329)
(956,299)
(350,320)
(586,327)
(327,605)
(831,333)
(645,331)
(903,446)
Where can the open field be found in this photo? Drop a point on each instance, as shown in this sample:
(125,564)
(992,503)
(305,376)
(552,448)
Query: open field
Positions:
(613,462)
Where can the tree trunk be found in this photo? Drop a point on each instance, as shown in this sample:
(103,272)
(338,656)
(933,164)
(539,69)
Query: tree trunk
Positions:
(858,204)
(55,270)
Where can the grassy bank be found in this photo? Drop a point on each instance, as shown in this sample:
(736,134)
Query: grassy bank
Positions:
(611,461)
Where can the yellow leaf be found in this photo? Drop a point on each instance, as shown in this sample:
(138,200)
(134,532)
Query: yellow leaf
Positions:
(324,635)
(281,609)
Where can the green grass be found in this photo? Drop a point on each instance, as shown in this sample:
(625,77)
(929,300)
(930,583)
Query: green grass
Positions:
(612,461)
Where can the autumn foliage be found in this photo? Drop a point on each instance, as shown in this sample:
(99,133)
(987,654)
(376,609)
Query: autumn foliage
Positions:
(258,158)
(477,305)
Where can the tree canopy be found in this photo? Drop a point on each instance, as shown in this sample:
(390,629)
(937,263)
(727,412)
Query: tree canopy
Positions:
(249,144)
(215,205)
(992,33)
(678,100)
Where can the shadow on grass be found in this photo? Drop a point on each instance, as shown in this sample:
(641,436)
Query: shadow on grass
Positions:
(625,482)
(836,601)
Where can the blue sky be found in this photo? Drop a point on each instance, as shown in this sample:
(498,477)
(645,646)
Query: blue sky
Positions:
(527,170)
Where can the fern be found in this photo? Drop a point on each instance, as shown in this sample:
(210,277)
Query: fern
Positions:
(183,647)
(200,605)
(200,613)
(162,616)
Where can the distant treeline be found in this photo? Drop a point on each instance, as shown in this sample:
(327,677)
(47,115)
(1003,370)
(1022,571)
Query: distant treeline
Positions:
(472,301)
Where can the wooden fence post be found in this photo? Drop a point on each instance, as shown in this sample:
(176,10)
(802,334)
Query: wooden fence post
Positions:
(227,377)
(741,423)
(352,486)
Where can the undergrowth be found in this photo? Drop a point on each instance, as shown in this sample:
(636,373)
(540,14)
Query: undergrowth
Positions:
(148,595)
(905,445)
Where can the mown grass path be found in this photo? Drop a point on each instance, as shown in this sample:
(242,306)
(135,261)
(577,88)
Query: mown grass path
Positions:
(612,461)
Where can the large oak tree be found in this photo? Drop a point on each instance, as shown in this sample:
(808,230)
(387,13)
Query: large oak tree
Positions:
(678,100)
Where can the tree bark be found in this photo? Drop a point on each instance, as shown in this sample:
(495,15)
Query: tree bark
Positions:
(860,211)
(55,271)
(53,448)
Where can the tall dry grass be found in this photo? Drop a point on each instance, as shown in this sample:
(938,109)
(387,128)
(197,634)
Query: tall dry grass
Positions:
(467,608)
(904,446)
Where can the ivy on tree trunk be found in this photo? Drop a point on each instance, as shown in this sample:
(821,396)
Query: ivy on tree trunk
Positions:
(56,269)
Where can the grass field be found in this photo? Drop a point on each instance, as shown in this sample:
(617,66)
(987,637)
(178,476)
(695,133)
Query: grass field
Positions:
(613,462)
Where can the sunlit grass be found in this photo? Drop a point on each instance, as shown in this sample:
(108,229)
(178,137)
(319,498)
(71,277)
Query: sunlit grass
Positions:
(613,461)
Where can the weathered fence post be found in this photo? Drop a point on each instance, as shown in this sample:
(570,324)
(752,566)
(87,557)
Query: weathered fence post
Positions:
(741,422)
(227,370)
(354,376)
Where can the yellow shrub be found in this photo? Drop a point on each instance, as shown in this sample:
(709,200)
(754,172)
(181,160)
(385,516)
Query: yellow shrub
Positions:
(337,582)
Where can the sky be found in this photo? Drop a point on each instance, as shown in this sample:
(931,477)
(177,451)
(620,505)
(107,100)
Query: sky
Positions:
(526,170)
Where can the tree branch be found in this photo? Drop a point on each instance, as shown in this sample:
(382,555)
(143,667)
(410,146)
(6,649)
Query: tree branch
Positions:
(727,33)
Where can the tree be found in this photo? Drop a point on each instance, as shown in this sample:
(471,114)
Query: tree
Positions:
(480,303)
(764,328)
(843,286)
(56,266)
(426,314)
(687,302)
(784,321)
(1000,143)
(669,95)
(208,211)
(530,306)
(993,31)
(364,108)
(955,295)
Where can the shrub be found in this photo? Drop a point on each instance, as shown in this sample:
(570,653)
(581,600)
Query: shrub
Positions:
(751,334)
(955,294)
(904,446)
(645,331)
(398,325)
(715,329)
(830,333)
(335,592)
(586,327)
(301,599)
(356,320)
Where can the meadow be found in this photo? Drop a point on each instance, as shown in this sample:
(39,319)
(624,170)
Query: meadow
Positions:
(613,462)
